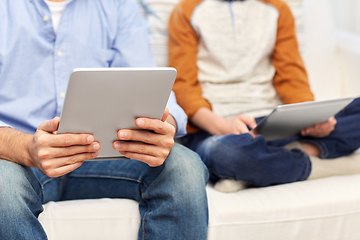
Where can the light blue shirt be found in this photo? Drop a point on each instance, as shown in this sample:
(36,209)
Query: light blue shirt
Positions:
(35,63)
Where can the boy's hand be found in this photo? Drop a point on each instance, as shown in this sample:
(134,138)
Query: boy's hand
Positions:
(320,130)
(236,125)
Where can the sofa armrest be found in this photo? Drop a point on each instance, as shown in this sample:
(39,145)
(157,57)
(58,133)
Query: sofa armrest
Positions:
(349,56)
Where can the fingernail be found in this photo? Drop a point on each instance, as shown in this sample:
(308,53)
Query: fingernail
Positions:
(117,145)
(90,139)
(141,122)
(96,146)
(122,134)
(94,154)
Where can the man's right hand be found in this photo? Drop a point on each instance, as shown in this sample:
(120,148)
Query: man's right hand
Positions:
(56,155)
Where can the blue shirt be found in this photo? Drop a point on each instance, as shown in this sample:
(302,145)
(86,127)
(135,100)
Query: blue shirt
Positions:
(35,63)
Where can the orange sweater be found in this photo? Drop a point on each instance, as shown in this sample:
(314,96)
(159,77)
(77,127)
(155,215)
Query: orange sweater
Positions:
(195,56)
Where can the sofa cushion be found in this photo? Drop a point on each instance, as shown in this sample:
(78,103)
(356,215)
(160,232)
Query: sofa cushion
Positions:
(325,209)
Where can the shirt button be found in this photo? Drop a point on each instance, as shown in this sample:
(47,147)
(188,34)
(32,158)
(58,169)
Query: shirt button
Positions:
(59,53)
(62,94)
(46,18)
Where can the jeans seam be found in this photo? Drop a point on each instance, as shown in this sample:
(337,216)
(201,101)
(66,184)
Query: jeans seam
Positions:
(42,185)
(143,221)
(307,171)
(107,176)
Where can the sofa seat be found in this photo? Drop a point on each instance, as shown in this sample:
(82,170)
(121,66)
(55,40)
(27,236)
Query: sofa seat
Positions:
(326,209)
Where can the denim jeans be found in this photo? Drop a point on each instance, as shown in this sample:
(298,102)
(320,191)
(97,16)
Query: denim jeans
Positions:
(172,197)
(261,163)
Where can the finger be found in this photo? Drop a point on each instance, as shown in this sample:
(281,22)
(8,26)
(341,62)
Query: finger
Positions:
(307,131)
(52,164)
(324,128)
(146,137)
(57,172)
(50,153)
(150,160)
(141,148)
(49,125)
(250,121)
(156,125)
(165,115)
(253,133)
(242,127)
(68,139)
(332,120)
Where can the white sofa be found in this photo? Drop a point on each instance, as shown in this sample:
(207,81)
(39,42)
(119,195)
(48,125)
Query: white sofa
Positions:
(326,209)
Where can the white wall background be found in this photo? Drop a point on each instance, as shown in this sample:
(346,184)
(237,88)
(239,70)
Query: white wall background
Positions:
(347,14)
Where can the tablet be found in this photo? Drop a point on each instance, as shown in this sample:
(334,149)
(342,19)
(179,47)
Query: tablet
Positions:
(288,120)
(100,101)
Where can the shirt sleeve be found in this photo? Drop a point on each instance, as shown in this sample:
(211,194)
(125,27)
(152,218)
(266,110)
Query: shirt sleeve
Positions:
(179,115)
(133,50)
(2,124)
(183,47)
(290,81)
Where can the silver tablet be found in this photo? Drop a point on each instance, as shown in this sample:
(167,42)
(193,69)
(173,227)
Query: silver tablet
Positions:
(101,101)
(288,120)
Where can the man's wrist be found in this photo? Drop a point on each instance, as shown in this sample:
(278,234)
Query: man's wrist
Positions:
(15,146)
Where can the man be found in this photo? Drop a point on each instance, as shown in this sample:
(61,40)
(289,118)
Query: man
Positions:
(41,42)
(237,60)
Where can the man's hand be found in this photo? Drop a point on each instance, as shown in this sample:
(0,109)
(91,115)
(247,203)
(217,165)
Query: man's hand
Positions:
(320,130)
(56,155)
(151,148)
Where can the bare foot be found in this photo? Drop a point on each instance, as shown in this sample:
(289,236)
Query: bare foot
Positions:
(229,185)
(310,149)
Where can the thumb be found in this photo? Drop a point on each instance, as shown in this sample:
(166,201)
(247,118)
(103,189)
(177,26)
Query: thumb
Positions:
(50,125)
(250,121)
(165,115)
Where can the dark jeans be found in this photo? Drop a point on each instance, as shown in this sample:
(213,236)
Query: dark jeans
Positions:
(262,163)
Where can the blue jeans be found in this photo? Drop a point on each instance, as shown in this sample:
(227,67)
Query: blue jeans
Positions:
(172,197)
(261,163)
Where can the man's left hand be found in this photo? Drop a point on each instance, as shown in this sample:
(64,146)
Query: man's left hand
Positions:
(149,147)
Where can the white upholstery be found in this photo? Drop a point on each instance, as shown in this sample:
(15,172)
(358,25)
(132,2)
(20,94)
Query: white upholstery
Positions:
(326,209)
(319,209)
